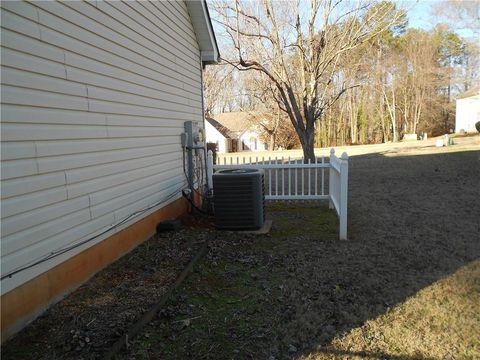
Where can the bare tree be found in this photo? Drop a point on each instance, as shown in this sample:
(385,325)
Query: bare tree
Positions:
(461,14)
(218,93)
(298,47)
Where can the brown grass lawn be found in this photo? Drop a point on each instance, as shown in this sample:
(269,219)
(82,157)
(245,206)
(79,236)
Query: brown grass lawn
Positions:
(406,285)
(441,321)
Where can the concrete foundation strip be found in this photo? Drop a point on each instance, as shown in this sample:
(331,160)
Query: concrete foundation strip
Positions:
(149,315)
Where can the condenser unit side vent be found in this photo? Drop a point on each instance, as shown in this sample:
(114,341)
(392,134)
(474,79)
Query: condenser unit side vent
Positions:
(239,199)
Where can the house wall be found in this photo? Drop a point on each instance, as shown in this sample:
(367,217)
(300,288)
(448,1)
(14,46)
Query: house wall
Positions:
(214,136)
(246,139)
(467,113)
(94,98)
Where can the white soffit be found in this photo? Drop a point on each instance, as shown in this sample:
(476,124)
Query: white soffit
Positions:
(202,25)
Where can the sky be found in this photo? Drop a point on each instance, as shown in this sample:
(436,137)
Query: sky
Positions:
(419,14)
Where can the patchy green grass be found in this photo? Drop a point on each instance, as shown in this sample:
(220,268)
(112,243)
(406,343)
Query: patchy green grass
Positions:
(299,293)
(232,305)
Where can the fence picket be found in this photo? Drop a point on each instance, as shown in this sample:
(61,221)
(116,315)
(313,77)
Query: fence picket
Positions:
(336,193)
(276,177)
(296,179)
(289,179)
(270,177)
(309,178)
(323,176)
(303,179)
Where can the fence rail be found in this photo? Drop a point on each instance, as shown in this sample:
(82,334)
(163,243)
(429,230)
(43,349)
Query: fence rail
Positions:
(293,179)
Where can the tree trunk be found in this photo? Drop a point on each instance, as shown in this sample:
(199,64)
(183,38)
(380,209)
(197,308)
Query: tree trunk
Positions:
(271,143)
(307,139)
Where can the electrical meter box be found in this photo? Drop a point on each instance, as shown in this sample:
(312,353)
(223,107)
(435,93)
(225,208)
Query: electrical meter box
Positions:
(195,134)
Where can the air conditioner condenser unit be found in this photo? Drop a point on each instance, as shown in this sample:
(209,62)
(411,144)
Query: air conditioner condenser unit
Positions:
(239,199)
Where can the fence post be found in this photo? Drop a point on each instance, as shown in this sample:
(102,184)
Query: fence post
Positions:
(210,170)
(343,195)
(330,179)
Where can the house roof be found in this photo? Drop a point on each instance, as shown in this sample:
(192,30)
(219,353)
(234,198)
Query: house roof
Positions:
(232,124)
(202,24)
(475,91)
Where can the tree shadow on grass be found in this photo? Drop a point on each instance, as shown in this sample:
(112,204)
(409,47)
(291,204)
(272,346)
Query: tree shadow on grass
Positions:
(370,355)
(413,221)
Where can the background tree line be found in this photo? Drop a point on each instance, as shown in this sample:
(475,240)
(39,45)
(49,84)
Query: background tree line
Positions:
(317,74)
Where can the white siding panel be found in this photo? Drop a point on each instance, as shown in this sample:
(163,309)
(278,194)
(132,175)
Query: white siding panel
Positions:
(41,82)
(124,191)
(94,99)
(98,36)
(28,45)
(161,34)
(35,64)
(26,114)
(19,24)
(149,188)
(129,73)
(98,171)
(21,96)
(168,190)
(122,58)
(18,168)
(38,250)
(95,92)
(60,147)
(124,131)
(166,20)
(107,82)
(104,182)
(135,30)
(180,26)
(30,201)
(17,150)
(119,108)
(31,184)
(23,132)
(129,120)
(42,215)
(36,234)
(21,8)
(55,163)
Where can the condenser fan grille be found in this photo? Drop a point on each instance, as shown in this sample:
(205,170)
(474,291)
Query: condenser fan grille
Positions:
(239,199)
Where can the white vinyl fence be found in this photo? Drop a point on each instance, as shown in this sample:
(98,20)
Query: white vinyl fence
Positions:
(292,179)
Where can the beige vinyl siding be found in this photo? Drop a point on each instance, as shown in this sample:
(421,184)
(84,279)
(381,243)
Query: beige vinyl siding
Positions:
(94,97)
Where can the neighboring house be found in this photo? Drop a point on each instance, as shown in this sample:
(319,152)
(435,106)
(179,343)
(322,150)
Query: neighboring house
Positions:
(467,110)
(234,131)
(94,99)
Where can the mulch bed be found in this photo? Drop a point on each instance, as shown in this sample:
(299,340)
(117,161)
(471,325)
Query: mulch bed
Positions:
(88,321)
